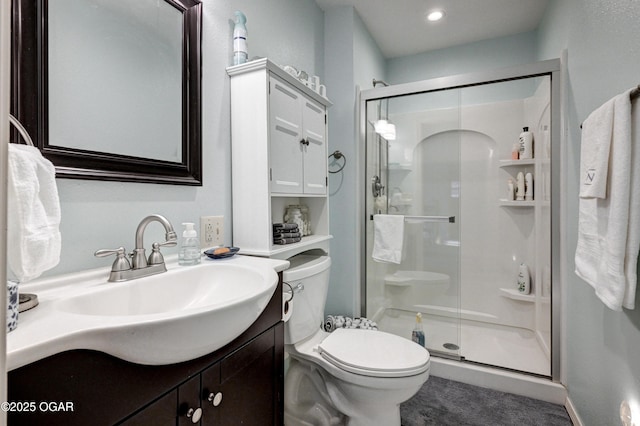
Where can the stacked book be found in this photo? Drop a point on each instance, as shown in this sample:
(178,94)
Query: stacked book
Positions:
(286,233)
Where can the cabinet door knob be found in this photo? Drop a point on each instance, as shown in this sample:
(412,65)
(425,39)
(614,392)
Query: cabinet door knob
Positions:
(194,414)
(215,399)
(305,141)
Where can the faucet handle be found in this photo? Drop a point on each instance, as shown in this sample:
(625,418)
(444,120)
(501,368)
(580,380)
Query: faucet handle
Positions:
(155,258)
(121,263)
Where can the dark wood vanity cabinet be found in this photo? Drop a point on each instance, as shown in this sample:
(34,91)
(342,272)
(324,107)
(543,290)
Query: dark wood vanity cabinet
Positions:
(241,383)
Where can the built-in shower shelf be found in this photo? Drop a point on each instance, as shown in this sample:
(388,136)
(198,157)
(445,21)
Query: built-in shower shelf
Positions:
(512,163)
(401,167)
(516,295)
(507,203)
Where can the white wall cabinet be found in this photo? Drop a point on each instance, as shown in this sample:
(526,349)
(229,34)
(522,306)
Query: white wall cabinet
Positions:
(279,157)
(297,133)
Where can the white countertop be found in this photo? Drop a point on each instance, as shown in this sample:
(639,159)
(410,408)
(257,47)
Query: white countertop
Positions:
(44,331)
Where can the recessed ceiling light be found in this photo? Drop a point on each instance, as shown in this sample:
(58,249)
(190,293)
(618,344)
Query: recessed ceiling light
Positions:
(435,15)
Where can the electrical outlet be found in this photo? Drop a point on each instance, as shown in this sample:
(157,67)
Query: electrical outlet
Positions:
(211,231)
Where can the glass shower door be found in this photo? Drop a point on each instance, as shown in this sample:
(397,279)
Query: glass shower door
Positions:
(416,175)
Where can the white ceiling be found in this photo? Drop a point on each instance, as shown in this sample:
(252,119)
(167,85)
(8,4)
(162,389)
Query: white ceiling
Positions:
(399,27)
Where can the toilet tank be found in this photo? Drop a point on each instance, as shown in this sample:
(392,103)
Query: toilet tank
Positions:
(308,275)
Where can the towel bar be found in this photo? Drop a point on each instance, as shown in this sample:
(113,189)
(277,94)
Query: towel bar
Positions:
(449,219)
(634,94)
(21,130)
(444,219)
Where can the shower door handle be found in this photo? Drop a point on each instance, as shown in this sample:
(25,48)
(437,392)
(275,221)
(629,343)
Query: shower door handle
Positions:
(445,219)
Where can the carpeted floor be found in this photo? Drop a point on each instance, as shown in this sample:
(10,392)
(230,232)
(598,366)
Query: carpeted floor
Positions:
(444,402)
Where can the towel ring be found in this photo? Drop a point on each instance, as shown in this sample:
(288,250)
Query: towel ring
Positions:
(23,132)
(338,155)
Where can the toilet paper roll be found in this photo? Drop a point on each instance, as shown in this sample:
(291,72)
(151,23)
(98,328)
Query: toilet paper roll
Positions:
(12,305)
(287,308)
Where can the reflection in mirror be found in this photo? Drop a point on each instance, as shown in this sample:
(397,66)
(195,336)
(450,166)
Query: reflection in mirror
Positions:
(117,86)
(107,60)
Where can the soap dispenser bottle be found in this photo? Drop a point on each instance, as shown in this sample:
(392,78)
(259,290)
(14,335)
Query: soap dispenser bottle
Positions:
(189,253)
(417,335)
(240,52)
(524,280)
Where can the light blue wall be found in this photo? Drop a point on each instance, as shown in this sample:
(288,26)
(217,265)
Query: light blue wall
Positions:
(473,57)
(105,214)
(351,59)
(603,347)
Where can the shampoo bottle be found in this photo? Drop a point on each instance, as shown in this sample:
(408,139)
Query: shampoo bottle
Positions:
(417,335)
(524,280)
(528,187)
(520,187)
(240,52)
(526,144)
(510,190)
(515,151)
(189,253)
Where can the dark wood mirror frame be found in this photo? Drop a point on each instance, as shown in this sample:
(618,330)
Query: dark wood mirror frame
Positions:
(29,103)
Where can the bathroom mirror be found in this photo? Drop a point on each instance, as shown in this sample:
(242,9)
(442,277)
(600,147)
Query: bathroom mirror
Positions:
(111,89)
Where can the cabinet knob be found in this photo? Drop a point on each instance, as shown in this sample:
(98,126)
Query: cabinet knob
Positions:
(305,141)
(194,414)
(215,399)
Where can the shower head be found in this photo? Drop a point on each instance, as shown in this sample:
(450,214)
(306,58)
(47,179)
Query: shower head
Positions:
(376,82)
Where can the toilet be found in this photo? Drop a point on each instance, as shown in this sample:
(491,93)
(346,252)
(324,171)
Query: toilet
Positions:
(350,376)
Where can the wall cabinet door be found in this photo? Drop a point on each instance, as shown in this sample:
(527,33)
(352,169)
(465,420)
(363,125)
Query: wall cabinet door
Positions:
(297,133)
(315,151)
(286,141)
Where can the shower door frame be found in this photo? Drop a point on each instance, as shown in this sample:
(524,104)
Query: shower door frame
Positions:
(550,68)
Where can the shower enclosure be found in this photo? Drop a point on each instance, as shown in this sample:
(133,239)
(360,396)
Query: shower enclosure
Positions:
(446,169)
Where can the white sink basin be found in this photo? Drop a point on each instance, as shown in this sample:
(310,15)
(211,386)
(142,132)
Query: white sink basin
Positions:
(167,318)
(220,286)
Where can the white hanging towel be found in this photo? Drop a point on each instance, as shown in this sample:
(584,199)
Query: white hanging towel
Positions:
(33,213)
(597,131)
(388,238)
(607,249)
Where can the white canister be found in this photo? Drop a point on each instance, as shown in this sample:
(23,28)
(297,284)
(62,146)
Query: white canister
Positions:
(13,305)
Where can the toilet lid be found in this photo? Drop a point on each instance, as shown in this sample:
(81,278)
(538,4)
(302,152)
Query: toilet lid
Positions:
(374,353)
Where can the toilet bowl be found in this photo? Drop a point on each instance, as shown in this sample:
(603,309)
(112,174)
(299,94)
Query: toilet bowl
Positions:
(350,376)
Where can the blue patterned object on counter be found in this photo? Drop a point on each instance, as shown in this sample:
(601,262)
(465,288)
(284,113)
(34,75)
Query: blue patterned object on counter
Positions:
(12,305)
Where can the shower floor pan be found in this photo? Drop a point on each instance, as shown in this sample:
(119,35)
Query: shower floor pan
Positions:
(482,342)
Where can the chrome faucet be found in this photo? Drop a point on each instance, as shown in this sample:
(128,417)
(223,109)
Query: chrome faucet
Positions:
(122,270)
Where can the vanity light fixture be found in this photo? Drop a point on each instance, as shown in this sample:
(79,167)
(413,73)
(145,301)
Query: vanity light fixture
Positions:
(435,15)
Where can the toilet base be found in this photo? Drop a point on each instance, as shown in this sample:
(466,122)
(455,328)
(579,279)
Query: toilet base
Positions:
(312,396)
(306,400)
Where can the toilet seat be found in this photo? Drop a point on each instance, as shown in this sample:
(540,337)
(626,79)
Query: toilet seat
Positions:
(374,353)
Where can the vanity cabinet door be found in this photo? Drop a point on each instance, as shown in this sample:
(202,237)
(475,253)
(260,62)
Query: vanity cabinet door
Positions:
(160,413)
(244,388)
(212,396)
(189,404)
